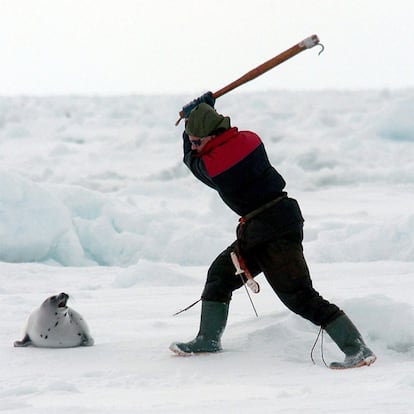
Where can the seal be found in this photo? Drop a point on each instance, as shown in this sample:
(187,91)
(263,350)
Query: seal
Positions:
(55,325)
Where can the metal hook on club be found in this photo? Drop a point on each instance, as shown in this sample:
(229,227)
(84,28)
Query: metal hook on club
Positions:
(322,46)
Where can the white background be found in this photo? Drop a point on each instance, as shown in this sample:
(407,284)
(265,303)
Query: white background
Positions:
(136,46)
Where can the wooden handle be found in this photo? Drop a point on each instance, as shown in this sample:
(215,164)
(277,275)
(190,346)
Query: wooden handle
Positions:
(270,64)
(307,43)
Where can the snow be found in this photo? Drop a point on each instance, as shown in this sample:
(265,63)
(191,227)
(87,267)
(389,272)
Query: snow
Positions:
(95,202)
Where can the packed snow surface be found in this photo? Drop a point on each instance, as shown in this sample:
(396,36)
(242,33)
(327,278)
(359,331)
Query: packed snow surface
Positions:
(95,202)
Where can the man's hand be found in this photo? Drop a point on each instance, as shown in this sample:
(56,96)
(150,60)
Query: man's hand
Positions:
(206,98)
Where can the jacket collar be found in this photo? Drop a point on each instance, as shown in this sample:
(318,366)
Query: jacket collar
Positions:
(218,140)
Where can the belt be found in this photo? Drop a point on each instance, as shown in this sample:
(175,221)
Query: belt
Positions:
(262,208)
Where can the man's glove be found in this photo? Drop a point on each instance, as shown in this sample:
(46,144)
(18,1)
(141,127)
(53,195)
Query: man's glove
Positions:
(206,98)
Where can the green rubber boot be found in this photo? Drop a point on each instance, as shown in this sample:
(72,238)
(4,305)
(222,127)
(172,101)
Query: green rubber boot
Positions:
(349,340)
(212,324)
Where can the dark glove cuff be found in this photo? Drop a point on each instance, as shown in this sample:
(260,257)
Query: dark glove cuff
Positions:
(206,98)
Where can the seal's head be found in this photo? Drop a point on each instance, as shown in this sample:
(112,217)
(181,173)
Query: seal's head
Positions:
(59,301)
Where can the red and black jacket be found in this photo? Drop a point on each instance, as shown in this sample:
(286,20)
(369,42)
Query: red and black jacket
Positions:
(235,164)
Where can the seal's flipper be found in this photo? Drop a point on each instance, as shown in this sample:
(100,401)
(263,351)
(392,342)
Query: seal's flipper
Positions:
(87,340)
(26,341)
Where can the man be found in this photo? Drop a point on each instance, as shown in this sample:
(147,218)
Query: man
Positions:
(269,234)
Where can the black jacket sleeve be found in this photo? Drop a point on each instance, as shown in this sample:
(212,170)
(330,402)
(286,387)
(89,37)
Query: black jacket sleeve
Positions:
(195,164)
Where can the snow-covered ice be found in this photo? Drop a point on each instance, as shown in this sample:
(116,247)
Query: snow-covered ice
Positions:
(95,201)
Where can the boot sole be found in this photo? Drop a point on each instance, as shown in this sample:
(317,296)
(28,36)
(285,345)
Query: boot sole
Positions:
(365,362)
(179,352)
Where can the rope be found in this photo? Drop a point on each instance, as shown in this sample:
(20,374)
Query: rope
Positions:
(188,307)
(320,334)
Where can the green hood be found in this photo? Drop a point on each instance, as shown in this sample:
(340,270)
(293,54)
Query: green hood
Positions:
(204,120)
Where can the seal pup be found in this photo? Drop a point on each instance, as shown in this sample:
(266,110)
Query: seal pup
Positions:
(55,325)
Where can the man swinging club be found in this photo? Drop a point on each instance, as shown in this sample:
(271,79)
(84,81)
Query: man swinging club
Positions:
(269,234)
